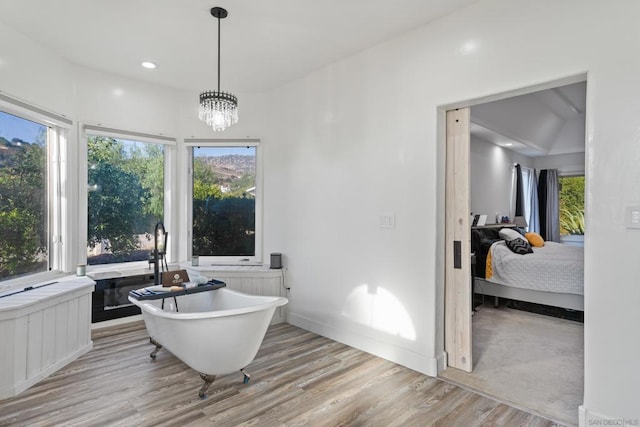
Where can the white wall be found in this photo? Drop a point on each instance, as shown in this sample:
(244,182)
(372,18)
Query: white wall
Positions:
(22,76)
(131,105)
(490,175)
(362,138)
(490,167)
(567,164)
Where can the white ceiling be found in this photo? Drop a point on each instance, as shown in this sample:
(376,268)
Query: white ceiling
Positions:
(265,43)
(547,122)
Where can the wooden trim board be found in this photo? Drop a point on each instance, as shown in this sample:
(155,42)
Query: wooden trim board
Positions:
(457,228)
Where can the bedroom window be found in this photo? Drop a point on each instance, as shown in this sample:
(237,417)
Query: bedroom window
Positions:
(24,196)
(571,205)
(125,198)
(226,202)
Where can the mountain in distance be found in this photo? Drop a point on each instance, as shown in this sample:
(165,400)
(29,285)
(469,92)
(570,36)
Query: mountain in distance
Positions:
(231,166)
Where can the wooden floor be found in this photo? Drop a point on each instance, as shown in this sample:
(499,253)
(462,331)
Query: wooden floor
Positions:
(297,379)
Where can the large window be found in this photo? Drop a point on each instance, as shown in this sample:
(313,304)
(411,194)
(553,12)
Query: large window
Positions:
(224,210)
(24,218)
(125,198)
(571,205)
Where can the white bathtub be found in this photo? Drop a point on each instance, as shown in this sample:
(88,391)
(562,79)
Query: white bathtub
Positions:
(215,332)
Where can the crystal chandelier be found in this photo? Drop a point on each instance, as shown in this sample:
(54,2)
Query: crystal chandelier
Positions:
(218,109)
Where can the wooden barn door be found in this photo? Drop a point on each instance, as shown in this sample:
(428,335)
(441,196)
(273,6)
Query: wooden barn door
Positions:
(458,242)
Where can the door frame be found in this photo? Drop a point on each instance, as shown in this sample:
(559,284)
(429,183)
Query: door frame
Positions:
(443,304)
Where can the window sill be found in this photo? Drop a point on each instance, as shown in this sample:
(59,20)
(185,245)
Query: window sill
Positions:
(572,240)
(31,280)
(62,283)
(214,268)
(110,271)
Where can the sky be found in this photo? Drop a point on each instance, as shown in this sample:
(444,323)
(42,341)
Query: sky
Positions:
(16,127)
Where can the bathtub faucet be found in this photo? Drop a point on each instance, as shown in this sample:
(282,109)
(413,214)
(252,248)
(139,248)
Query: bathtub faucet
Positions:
(159,251)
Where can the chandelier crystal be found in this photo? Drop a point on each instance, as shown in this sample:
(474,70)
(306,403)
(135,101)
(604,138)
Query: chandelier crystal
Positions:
(218,109)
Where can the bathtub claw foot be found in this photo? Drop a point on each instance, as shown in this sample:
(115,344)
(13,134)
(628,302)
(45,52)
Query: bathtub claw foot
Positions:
(208,379)
(158,347)
(247,377)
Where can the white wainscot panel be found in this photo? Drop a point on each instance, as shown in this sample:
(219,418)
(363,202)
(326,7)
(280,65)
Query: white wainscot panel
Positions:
(42,330)
(254,280)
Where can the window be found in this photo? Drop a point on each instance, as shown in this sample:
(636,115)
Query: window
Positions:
(225,212)
(24,184)
(571,205)
(125,198)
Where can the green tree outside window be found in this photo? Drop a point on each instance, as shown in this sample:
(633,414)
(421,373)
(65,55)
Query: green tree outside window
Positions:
(126,198)
(23,197)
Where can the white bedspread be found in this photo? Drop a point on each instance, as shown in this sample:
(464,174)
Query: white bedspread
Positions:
(553,267)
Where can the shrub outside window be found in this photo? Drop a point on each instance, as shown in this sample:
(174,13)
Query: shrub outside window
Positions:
(224,208)
(571,205)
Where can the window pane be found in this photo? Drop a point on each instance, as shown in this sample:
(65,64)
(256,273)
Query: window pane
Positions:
(23,197)
(224,201)
(571,205)
(126,198)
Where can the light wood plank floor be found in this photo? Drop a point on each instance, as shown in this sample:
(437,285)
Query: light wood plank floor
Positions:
(298,379)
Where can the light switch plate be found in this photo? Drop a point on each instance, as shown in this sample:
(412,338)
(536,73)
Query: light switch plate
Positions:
(632,217)
(387,221)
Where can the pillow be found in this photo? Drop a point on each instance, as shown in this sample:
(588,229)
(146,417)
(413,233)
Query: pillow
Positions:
(519,246)
(509,234)
(534,239)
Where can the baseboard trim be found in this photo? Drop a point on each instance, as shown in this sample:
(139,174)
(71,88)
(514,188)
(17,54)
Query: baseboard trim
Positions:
(115,322)
(402,356)
(442,361)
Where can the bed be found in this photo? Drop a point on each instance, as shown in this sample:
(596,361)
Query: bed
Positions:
(552,275)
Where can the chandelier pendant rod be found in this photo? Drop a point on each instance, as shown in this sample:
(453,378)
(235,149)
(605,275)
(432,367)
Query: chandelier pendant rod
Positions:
(218,109)
(218,53)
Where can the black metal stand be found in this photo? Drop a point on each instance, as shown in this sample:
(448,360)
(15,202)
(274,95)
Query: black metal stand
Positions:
(158,348)
(208,379)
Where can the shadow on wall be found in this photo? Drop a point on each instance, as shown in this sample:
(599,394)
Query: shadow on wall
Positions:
(379,309)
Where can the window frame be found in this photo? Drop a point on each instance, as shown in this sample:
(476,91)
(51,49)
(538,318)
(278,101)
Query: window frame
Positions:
(189,145)
(169,221)
(57,204)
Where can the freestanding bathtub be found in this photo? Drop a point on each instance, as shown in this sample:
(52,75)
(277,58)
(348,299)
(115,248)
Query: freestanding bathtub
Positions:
(215,332)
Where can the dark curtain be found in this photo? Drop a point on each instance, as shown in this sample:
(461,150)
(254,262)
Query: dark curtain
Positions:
(519,192)
(549,201)
(542,202)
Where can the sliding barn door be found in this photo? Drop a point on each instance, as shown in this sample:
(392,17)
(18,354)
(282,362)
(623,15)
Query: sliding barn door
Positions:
(458,242)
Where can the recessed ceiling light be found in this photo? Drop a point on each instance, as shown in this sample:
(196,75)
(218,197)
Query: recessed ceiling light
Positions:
(469,46)
(148,64)
(508,144)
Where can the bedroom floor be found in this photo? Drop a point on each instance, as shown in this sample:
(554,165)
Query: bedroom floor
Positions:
(527,360)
